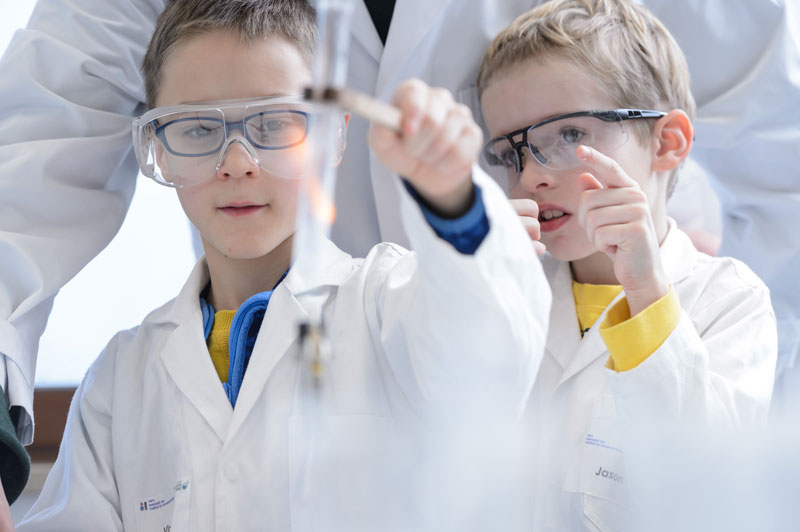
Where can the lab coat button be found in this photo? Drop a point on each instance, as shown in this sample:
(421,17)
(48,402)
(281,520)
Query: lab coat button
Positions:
(232,471)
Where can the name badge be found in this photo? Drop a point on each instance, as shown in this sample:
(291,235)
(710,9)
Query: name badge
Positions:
(602,464)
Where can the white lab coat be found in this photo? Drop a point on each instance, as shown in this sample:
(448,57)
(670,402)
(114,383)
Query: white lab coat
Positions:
(431,332)
(79,61)
(716,369)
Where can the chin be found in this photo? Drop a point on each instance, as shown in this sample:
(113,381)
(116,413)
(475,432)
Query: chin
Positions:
(567,253)
(249,253)
(248,250)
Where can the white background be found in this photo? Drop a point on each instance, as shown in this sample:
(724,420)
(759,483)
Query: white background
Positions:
(144,266)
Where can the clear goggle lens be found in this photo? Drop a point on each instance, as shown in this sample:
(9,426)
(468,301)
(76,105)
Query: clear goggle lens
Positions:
(554,144)
(186,145)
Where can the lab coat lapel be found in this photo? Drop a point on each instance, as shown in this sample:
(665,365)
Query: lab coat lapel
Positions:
(411,22)
(563,338)
(278,336)
(277,339)
(677,256)
(564,342)
(364,32)
(186,357)
(363,29)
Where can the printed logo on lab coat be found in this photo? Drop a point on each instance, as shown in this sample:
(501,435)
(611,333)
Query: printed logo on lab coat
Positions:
(152,503)
(161,512)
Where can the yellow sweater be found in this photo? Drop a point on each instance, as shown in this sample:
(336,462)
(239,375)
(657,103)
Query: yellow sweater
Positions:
(218,342)
(630,340)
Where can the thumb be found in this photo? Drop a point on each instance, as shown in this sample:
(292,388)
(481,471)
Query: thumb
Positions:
(587,181)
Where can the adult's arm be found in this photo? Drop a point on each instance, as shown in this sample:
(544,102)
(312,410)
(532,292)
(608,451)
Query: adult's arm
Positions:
(69,85)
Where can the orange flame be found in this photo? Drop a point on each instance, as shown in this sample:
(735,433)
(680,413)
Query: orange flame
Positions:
(321,204)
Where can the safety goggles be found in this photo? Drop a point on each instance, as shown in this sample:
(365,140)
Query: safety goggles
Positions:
(184,145)
(553,142)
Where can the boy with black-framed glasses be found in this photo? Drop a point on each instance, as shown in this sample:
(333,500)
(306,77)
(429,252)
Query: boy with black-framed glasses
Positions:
(589,106)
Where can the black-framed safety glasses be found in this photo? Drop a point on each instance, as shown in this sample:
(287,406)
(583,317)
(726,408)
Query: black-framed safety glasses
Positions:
(553,142)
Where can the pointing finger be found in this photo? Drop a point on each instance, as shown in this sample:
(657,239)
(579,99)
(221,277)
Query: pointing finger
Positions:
(607,171)
(587,181)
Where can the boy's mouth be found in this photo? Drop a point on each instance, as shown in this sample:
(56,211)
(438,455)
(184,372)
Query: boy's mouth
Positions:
(552,217)
(240,209)
(546,216)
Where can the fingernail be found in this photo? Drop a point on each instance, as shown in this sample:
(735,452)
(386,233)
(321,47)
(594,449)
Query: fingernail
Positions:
(584,152)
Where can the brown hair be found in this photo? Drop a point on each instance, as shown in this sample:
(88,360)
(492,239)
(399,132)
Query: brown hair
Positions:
(293,20)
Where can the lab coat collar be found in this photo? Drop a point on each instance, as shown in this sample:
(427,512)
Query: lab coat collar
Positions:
(411,22)
(563,317)
(678,254)
(572,353)
(186,345)
(363,29)
(364,32)
(198,381)
(334,265)
(278,335)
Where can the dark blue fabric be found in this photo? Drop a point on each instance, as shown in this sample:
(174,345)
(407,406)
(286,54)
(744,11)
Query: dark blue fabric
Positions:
(208,317)
(244,331)
(466,232)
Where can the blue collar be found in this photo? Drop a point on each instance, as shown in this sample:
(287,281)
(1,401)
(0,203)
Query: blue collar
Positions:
(244,331)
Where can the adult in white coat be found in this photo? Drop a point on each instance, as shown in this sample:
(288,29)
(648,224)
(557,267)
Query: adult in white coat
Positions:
(67,181)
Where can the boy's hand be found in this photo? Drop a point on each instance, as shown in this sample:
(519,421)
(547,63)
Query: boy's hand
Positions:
(438,145)
(615,213)
(528,211)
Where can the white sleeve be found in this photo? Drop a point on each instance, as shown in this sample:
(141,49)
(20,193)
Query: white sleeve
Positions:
(745,66)
(468,330)
(716,368)
(69,85)
(80,492)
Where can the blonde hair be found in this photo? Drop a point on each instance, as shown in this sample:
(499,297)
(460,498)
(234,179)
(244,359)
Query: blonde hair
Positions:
(623,46)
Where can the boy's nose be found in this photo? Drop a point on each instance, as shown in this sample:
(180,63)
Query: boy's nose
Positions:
(534,176)
(238,159)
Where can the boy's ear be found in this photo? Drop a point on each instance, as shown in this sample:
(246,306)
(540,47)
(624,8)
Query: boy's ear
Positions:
(160,155)
(673,136)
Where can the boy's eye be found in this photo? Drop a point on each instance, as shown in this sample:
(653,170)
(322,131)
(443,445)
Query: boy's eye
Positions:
(200,131)
(570,135)
(274,125)
(277,130)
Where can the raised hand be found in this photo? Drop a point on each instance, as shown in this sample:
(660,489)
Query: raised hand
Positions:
(437,147)
(616,216)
